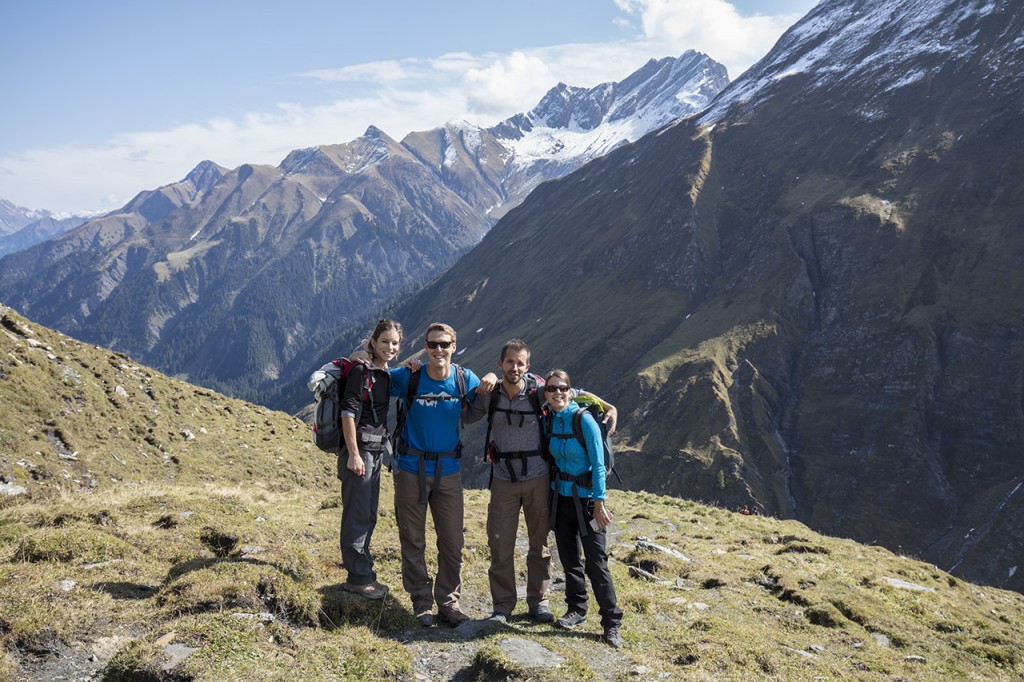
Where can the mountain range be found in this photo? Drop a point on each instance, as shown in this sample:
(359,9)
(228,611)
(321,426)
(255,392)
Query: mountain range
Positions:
(22,227)
(236,278)
(806,300)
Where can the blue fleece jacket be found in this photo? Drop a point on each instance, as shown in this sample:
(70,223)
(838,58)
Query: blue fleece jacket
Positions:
(571,457)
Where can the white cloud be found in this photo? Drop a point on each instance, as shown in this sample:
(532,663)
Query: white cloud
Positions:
(713,27)
(382,71)
(506,83)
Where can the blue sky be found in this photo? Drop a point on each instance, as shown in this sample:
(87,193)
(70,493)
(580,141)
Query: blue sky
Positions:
(104,99)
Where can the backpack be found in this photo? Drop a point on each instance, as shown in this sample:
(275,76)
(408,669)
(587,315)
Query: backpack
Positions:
(587,404)
(327,417)
(491,453)
(405,404)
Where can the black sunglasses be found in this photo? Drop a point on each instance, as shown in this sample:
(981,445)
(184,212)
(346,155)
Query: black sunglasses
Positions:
(551,388)
(443,344)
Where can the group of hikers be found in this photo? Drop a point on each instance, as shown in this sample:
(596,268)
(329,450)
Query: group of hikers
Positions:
(541,463)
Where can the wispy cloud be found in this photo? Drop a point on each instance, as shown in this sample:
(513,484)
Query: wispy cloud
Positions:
(398,96)
(713,27)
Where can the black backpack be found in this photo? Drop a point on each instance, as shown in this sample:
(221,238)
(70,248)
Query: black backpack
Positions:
(491,453)
(587,404)
(327,418)
(405,404)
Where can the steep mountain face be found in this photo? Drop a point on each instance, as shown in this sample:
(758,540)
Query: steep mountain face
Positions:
(809,298)
(235,279)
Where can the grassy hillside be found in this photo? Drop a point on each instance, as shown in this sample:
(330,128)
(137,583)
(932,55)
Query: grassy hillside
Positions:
(139,553)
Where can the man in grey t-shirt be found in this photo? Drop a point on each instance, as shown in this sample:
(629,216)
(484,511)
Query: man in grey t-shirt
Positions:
(519,480)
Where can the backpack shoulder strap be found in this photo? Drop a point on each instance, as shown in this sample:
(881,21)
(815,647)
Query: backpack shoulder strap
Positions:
(414,385)
(460,382)
(533,393)
(492,406)
(577,428)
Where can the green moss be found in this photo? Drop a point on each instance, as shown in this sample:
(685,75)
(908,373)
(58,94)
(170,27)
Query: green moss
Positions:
(72,546)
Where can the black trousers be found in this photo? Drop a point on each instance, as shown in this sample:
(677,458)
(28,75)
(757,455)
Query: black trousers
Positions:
(584,556)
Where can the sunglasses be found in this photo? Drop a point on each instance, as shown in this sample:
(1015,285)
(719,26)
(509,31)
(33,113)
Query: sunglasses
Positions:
(551,388)
(443,344)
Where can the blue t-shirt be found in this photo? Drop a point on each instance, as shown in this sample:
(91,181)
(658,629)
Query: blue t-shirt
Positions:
(432,425)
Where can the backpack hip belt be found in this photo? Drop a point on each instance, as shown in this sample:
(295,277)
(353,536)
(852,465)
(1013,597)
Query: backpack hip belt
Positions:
(586,480)
(518,454)
(423,457)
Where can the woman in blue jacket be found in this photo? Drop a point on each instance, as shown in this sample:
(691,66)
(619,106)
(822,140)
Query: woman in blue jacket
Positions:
(579,511)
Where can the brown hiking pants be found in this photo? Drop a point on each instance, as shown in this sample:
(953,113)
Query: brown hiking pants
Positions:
(507,498)
(444,499)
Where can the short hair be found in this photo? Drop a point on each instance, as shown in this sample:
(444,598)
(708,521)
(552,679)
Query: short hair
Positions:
(560,373)
(515,346)
(441,327)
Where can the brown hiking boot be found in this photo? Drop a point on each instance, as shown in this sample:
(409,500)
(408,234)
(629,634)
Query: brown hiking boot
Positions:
(452,617)
(372,590)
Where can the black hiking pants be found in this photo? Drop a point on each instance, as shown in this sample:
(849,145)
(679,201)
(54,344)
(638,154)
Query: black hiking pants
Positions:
(360,496)
(592,563)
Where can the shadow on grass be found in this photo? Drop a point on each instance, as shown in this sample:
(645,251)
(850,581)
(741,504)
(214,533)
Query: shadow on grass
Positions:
(201,563)
(340,608)
(123,590)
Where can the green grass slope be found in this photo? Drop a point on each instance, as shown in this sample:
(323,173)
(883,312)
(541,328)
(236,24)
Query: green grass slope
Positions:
(216,558)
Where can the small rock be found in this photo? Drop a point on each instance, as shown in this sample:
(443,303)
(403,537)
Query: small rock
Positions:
(68,585)
(636,572)
(10,490)
(881,639)
(188,435)
(904,585)
(176,655)
(647,544)
(530,654)
(166,639)
(915,659)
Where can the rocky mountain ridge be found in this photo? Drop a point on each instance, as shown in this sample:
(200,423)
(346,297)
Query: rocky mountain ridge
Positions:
(235,278)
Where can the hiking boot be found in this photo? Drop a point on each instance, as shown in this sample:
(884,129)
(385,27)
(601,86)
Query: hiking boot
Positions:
(541,614)
(611,637)
(498,617)
(452,617)
(372,590)
(571,620)
(425,618)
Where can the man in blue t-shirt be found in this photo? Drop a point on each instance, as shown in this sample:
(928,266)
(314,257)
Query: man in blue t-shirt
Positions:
(427,474)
